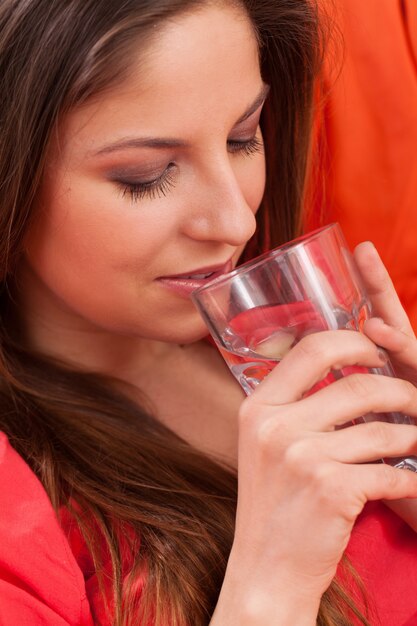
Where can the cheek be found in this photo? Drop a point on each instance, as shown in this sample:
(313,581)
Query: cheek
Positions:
(84,230)
(67,231)
(95,254)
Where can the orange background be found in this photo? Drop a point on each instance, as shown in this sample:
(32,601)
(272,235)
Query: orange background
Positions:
(369,121)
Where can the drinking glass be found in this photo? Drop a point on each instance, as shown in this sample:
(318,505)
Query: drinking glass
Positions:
(260,310)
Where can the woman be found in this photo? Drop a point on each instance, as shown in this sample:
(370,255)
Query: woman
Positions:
(132,169)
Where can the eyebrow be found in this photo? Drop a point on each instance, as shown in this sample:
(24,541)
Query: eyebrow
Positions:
(166,142)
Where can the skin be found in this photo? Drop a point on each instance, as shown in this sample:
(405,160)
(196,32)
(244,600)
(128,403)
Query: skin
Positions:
(89,285)
(88,292)
(320,476)
(97,251)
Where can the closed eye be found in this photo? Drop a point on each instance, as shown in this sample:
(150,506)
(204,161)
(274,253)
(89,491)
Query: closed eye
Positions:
(247,147)
(160,186)
(155,188)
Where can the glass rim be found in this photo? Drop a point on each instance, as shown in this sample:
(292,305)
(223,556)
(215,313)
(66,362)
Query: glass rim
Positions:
(275,252)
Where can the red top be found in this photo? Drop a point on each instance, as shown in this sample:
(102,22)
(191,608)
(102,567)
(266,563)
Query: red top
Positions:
(47,579)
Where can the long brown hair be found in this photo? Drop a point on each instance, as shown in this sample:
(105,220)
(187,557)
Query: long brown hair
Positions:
(122,475)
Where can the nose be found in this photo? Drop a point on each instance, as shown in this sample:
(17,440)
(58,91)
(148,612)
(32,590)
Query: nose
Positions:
(220,211)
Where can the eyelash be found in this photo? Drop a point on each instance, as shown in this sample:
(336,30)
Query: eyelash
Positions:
(249,147)
(161,186)
(151,189)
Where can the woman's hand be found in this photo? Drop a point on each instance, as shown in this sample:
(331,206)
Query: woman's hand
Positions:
(302,483)
(390,329)
(390,326)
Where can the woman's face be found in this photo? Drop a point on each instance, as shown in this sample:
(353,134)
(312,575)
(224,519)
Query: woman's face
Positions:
(154,185)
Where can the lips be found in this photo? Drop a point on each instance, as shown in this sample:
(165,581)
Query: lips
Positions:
(185,283)
(197,276)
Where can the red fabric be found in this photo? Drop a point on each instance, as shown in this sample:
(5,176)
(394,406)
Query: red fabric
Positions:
(40,581)
(383,551)
(369,135)
(47,577)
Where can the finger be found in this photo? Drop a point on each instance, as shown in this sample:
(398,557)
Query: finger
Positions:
(363,443)
(406,509)
(384,299)
(383,481)
(400,345)
(311,360)
(356,395)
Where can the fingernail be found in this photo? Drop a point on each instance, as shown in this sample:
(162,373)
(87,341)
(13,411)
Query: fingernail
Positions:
(378,319)
(382,355)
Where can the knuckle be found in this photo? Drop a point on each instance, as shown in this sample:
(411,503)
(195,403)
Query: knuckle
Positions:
(304,462)
(260,428)
(326,485)
(246,413)
(408,394)
(391,476)
(266,440)
(297,457)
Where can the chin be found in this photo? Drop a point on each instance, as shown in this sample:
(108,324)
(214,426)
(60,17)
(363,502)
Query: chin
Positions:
(188,337)
(188,331)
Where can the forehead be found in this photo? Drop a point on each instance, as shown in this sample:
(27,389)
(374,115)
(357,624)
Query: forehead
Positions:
(200,68)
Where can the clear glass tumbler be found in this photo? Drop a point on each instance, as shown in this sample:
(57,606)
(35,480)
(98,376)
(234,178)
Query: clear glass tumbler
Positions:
(260,310)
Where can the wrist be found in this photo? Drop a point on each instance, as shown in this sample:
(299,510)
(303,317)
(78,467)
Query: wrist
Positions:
(248,599)
(261,611)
